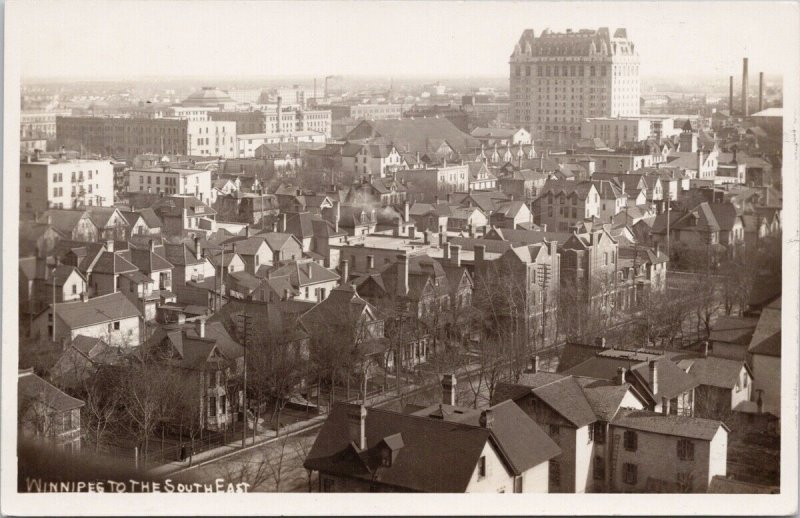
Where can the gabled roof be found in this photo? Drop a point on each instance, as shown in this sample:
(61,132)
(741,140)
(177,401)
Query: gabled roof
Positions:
(716,372)
(770,346)
(410,135)
(181,254)
(303,273)
(733,330)
(566,397)
(674,425)
(113,262)
(437,455)
(147,261)
(97,310)
(31,388)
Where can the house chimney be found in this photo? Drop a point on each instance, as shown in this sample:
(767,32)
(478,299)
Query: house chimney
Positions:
(446,250)
(442,237)
(198,249)
(283,222)
(275,225)
(370,262)
(653,376)
(487,419)
(449,389)
(427,237)
(200,326)
(402,274)
(480,253)
(345,271)
(534,364)
(152,246)
(412,232)
(760,91)
(744,88)
(455,255)
(620,375)
(337,215)
(405,211)
(357,425)
(247,231)
(664,406)
(705,349)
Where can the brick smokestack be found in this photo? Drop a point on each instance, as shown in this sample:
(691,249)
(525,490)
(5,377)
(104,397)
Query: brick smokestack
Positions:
(744,88)
(760,91)
(730,98)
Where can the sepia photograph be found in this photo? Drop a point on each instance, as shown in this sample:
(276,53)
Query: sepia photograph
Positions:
(307,251)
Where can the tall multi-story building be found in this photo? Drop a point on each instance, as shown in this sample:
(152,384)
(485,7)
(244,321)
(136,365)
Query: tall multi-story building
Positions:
(47,183)
(134,136)
(559,79)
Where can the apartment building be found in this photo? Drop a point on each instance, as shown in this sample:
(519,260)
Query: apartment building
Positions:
(47,183)
(168,180)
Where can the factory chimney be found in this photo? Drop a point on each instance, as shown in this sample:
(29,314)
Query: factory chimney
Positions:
(760,91)
(730,98)
(744,88)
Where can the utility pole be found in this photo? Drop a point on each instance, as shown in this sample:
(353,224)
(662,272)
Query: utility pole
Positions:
(54,303)
(245,334)
(545,284)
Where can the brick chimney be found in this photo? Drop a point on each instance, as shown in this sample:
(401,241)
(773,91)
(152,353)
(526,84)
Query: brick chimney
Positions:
(455,255)
(620,376)
(405,211)
(345,271)
(449,389)
(664,406)
(200,327)
(198,249)
(487,419)
(152,245)
(357,426)
(480,253)
(653,376)
(446,250)
(283,222)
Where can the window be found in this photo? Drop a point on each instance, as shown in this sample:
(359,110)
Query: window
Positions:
(554,430)
(222,402)
(66,420)
(212,406)
(629,473)
(631,441)
(482,467)
(555,473)
(599,467)
(685,449)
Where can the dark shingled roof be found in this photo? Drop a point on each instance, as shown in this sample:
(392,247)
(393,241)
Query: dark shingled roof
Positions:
(770,346)
(32,388)
(437,455)
(716,372)
(676,425)
(105,308)
(566,397)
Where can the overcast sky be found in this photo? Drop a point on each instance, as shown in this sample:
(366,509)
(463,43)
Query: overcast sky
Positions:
(228,38)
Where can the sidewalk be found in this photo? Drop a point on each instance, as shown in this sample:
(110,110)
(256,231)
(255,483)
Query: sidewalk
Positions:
(267,436)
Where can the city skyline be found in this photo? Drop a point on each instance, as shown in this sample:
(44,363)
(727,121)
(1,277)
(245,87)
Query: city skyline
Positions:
(150,49)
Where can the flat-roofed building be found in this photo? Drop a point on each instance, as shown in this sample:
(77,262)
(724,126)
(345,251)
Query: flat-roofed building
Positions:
(47,183)
(125,136)
(169,180)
